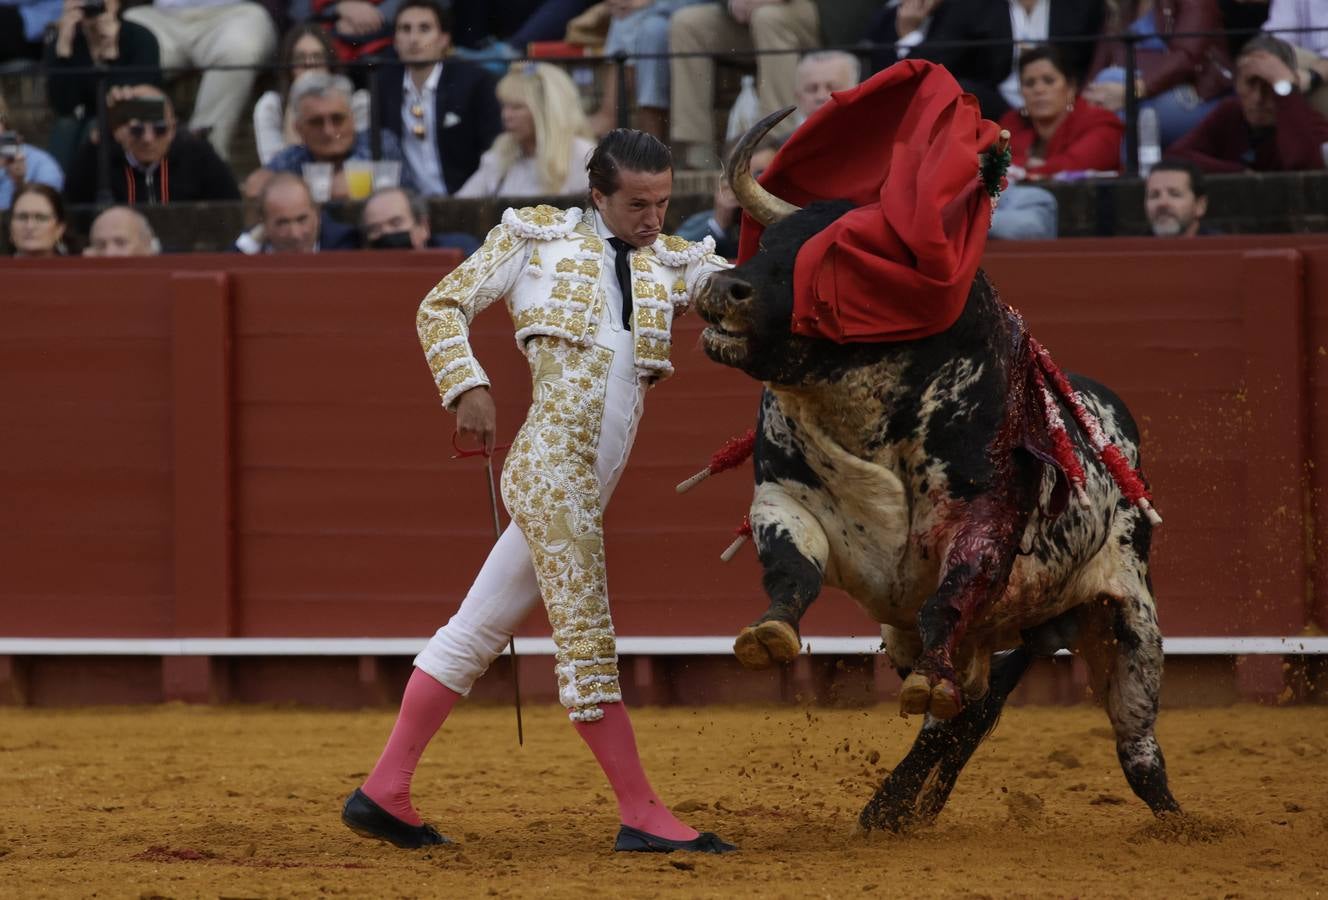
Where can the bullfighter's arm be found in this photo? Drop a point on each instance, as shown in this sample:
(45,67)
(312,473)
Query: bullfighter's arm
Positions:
(444,318)
(705,262)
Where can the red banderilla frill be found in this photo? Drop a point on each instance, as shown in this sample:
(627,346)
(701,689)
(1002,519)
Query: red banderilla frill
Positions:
(1131,485)
(734,452)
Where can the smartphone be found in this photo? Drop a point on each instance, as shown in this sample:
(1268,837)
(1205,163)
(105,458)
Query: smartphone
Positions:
(145,109)
(93,8)
(10,144)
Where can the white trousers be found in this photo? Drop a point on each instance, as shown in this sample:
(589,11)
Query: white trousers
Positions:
(233,34)
(505,590)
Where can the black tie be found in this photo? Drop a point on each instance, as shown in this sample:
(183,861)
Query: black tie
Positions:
(622,267)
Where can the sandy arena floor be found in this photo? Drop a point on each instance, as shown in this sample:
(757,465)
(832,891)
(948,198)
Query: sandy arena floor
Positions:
(243,802)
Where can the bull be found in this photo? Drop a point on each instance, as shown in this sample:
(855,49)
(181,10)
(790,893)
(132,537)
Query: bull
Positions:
(890,470)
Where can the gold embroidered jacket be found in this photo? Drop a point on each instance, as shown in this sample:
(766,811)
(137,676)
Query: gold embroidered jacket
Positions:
(547,263)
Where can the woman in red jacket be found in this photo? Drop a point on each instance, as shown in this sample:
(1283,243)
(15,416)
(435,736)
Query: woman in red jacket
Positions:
(1052,133)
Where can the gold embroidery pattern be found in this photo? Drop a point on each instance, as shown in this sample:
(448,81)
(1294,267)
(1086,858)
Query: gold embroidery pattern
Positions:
(443,320)
(551,487)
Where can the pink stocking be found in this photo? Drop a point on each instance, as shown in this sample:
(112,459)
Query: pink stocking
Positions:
(424,707)
(614,745)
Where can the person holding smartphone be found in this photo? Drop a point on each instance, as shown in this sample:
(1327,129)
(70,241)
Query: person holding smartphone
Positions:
(90,34)
(154,163)
(22,164)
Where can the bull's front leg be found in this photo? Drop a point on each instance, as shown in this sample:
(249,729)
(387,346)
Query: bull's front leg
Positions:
(793,550)
(974,574)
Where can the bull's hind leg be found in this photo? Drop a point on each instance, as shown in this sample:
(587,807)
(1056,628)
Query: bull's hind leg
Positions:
(1122,646)
(914,793)
(793,550)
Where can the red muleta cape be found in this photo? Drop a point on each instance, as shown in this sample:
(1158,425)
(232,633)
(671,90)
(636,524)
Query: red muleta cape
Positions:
(898,267)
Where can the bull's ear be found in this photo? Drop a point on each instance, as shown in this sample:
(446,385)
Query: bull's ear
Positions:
(759,203)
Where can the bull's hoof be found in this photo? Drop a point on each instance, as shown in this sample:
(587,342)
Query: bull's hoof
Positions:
(764,644)
(946,699)
(915,695)
(918,695)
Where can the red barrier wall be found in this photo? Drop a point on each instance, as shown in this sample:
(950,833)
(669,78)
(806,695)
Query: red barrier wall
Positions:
(248,447)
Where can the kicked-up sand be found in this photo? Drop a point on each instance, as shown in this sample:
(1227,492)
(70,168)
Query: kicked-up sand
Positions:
(241,802)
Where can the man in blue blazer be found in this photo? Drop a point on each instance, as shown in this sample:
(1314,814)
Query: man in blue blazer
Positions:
(445,112)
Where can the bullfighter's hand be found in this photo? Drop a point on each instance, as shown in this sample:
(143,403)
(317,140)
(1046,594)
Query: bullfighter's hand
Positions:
(477,418)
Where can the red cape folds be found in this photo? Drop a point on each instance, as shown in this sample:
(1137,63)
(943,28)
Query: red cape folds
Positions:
(903,147)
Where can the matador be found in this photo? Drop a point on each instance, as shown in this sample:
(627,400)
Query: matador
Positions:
(593,295)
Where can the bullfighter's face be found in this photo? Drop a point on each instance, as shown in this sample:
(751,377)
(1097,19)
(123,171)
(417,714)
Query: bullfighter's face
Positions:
(749,309)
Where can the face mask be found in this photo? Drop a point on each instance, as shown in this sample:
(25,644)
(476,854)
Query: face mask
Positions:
(393,240)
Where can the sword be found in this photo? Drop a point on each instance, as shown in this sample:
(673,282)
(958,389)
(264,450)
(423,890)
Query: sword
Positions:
(498,533)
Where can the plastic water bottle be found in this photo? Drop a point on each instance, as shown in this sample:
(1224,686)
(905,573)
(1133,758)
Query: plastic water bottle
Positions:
(746,110)
(1150,151)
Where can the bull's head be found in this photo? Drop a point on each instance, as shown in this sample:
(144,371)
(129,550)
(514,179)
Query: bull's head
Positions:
(750,308)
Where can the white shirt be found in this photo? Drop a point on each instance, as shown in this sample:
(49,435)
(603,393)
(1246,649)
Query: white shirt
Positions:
(1300,14)
(421,154)
(1027,28)
(611,313)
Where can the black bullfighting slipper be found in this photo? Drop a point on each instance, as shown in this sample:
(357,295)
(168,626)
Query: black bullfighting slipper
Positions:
(633,840)
(368,819)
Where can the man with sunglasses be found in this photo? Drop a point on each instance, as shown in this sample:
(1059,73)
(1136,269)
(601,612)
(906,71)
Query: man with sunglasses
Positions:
(153,162)
(326,126)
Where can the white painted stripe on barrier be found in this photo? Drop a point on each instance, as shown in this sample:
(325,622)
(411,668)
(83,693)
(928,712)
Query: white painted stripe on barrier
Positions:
(532,646)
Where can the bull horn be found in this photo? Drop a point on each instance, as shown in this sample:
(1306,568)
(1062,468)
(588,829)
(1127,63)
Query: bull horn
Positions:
(760,204)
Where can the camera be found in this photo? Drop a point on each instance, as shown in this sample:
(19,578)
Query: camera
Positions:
(93,8)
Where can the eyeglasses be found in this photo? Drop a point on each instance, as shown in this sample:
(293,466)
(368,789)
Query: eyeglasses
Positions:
(158,128)
(36,218)
(335,120)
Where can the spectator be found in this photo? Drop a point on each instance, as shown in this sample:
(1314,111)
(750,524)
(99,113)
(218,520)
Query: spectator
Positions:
(305,48)
(545,141)
(37,224)
(444,116)
(209,34)
(23,25)
(722,222)
(154,163)
(326,128)
(1176,200)
(22,164)
(394,220)
(1050,133)
(1311,47)
(502,31)
(819,75)
(745,25)
(1267,127)
(639,30)
(121,231)
(1180,78)
(948,32)
(291,222)
(1025,213)
(397,219)
(353,29)
(126,53)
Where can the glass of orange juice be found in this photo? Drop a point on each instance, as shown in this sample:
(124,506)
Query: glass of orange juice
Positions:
(359,178)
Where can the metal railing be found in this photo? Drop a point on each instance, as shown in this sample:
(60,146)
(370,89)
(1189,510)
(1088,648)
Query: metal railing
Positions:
(371,72)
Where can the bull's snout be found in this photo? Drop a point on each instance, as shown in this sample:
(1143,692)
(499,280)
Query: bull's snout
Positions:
(727,294)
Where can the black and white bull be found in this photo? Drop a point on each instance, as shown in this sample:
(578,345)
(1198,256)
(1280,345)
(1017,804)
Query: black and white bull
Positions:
(882,469)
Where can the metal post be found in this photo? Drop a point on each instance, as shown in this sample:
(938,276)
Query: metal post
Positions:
(375,114)
(103,147)
(620,75)
(1131,108)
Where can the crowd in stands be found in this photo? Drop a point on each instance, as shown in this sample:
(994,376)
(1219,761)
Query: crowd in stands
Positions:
(453,95)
